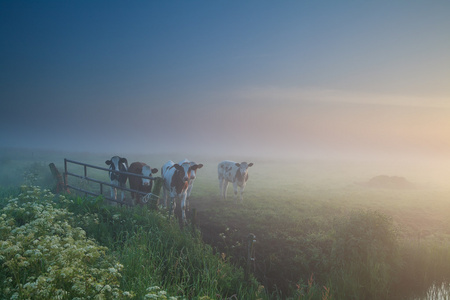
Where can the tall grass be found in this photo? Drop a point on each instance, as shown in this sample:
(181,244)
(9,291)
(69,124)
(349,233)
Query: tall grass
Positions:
(154,251)
(154,255)
(425,264)
(365,256)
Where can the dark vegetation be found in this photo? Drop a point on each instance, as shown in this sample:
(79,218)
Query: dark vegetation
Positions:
(339,242)
(389,182)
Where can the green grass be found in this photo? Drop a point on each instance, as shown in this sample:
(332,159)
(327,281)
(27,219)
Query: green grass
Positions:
(318,233)
(298,220)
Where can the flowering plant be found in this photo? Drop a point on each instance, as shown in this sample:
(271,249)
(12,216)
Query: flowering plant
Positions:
(42,256)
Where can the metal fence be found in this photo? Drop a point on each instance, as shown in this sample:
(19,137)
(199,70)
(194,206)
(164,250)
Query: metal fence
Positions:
(84,176)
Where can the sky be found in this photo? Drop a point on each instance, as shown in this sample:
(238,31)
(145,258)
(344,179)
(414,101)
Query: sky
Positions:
(263,78)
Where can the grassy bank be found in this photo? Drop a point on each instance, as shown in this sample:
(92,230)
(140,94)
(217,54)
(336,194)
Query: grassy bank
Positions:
(318,234)
(57,245)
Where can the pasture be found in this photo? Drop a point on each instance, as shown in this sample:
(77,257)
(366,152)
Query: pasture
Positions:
(317,230)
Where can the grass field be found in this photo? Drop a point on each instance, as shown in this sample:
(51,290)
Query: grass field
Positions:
(296,209)
(319,232)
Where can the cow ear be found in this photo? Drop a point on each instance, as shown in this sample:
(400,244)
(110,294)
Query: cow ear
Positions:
(108,162)
(123,160)
(178,167)
(250,164)
(238,164)
(195,167)
(154,170)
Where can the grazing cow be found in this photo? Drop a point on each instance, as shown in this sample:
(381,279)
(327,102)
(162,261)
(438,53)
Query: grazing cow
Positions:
(194,168)
(176,183)
(237,173)
(117,163)
(139,183)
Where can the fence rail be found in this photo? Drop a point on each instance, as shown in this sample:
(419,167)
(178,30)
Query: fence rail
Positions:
(101,183)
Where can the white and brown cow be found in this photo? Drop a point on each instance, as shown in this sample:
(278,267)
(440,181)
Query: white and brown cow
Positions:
(175,184)
(194,168)
(117,163)
(237,173)
(139,183)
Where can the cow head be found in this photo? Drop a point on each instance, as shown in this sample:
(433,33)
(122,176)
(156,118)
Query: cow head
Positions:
(117,163)
(193,169)
(243,170)
(147,171)
(183,171)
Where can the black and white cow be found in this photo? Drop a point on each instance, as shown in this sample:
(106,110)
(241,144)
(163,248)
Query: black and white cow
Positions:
(139,183)
(237,173)
(194,168)
(176,183)
(117,163)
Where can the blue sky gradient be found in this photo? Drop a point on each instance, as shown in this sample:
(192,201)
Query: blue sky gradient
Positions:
(241,77)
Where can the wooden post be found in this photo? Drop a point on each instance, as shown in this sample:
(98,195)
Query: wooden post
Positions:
(157,185)
(58,178)
(65,175)
(251,239)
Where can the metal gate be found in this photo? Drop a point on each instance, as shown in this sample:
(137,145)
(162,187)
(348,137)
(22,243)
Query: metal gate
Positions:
(101,184)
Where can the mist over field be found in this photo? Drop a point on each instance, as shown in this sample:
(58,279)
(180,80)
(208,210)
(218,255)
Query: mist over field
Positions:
(342,107)
(256,79)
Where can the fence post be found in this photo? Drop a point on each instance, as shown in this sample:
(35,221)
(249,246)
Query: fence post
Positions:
(65,176)
(251,239)
(59,180)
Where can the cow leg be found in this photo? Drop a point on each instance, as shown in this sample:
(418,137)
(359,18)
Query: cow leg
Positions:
(112,192)
(242,193)
(235,187)
(183,209)
(114,186)
(164,198)
(133,198)
(221,187)
(122,185)
(172,206)
(113,195)
(188,194)
(224,189)
(138,199)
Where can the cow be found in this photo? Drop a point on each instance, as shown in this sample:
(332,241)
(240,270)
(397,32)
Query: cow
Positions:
(139,183)
(194,168)
(117,163)
(237,173)
(175,184)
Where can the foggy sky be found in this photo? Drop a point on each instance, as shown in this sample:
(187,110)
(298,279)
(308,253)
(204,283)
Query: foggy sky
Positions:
(247,77)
